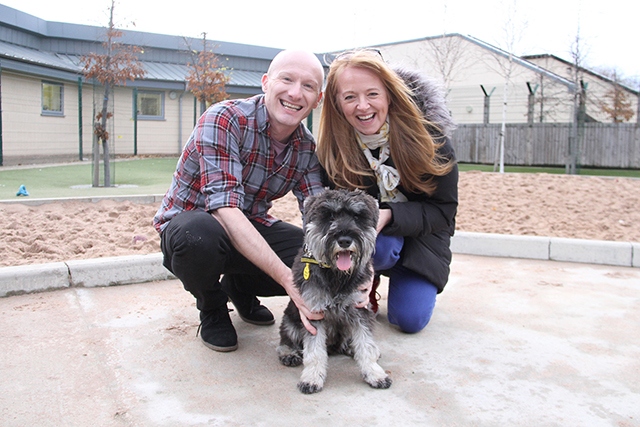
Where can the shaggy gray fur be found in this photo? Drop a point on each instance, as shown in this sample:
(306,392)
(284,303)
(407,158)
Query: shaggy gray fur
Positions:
(340,236)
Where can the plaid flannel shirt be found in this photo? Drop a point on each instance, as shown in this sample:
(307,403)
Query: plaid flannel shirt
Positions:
(228,162)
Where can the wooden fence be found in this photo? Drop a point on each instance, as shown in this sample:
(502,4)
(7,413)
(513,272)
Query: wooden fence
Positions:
(602,145)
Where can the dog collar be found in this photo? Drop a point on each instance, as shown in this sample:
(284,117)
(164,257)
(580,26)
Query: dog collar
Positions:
(308,259)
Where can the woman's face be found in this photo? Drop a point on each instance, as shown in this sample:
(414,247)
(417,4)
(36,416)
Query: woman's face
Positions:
(363,99)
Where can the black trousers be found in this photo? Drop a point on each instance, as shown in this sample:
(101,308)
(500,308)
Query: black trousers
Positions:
(198,251)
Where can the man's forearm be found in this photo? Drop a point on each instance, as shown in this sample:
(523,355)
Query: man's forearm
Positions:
(246,239)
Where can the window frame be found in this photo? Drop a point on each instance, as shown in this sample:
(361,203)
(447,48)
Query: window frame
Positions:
(161,96)
(43,110)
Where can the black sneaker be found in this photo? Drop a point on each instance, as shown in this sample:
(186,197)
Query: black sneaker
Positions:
(217,331)
(257,314)
(249,308)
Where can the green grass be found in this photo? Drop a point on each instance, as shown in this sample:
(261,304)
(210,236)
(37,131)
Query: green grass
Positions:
(132,177)
(140,176)
(631,173)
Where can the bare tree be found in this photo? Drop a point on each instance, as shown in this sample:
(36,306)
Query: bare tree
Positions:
(206,78)
(578,56)
(549,99)
(448,56)
(513,31)
(118,64)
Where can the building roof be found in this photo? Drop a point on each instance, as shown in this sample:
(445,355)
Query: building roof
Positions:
(52,49)
(585,70)
(497,51)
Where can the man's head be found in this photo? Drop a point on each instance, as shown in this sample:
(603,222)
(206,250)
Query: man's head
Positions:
(292,87)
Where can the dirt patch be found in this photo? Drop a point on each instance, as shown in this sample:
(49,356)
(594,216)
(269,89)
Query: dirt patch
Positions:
(519,204)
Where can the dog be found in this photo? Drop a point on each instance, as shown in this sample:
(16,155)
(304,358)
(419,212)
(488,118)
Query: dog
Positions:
(330,271)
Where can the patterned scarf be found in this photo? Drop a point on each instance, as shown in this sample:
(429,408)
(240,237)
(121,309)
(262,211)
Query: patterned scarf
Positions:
(388,177)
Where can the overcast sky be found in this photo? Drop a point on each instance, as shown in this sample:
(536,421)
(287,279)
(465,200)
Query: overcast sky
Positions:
(608,29)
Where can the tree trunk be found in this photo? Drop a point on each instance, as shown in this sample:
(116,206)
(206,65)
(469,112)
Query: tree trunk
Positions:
(105,141)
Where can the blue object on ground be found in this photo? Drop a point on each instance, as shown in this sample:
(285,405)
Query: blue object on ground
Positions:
(22,191)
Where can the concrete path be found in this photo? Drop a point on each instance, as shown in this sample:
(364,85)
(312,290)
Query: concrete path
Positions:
(513,342)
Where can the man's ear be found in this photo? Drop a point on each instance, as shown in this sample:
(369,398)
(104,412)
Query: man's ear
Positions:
(264,81)
(318,101)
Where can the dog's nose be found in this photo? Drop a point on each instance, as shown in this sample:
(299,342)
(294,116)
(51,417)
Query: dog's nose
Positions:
(345,241)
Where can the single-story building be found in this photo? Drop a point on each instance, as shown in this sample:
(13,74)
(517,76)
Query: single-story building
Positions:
(47,107)
(540,88)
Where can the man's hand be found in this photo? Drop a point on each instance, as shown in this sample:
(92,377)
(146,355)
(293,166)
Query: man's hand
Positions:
(305,313)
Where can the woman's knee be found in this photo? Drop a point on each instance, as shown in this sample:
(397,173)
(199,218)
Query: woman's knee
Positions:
(412,300)
(411,323)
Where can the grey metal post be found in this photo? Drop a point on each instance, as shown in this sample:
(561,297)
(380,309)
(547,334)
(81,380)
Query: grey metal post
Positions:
(532,100)
(487,96)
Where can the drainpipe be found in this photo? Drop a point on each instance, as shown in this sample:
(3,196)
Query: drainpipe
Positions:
(180,122)
(1,151)
(195,110)
(80,155)
(310,121)
(135,121)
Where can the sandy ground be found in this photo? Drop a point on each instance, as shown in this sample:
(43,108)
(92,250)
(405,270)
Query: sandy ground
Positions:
(520,204)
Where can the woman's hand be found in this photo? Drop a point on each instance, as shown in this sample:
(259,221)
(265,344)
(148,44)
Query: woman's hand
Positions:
(385,218)
(364,290)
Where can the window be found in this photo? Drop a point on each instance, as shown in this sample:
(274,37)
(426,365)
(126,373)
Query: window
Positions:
(150,105)
(52,97)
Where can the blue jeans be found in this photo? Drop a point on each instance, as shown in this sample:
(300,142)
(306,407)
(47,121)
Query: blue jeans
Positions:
(412,297)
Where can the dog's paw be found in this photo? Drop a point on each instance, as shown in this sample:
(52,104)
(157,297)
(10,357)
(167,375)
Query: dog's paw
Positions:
(379,383)
(309,388)
(291,360)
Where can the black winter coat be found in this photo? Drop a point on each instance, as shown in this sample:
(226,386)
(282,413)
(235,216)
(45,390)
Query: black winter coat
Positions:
(427,222)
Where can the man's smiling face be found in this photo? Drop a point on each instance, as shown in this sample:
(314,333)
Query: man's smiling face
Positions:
(292,87)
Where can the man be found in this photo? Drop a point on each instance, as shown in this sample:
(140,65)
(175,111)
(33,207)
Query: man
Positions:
(214,220)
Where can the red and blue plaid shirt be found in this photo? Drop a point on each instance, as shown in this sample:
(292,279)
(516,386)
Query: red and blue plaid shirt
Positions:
(228,162)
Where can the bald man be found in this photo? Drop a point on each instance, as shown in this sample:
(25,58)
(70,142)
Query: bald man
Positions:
(217,236)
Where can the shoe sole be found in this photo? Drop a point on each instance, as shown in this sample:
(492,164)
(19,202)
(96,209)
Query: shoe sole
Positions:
(258,322)
(218,348)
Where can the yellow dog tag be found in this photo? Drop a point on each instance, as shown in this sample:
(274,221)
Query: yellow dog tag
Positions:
(306,272)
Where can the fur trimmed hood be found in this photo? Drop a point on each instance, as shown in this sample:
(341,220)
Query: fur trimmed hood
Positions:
(430,98)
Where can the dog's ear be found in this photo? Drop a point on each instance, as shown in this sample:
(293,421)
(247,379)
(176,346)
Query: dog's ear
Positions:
(307,206)
(308,202)
(373,206)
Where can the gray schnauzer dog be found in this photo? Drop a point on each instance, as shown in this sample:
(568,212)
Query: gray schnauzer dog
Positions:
(331,271)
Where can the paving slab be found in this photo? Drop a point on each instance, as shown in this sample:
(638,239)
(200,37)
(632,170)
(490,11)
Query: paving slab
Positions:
(512,342)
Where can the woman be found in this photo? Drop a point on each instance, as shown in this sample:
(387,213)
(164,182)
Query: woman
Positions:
(386,131)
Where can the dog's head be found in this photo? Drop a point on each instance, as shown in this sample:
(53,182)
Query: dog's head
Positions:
(340,228)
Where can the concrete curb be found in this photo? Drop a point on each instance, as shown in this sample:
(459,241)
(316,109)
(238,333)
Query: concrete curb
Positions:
(125,270)
(33,278)
(111,271)
(623,254)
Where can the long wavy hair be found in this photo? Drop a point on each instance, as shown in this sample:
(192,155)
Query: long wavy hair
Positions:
(413,149)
